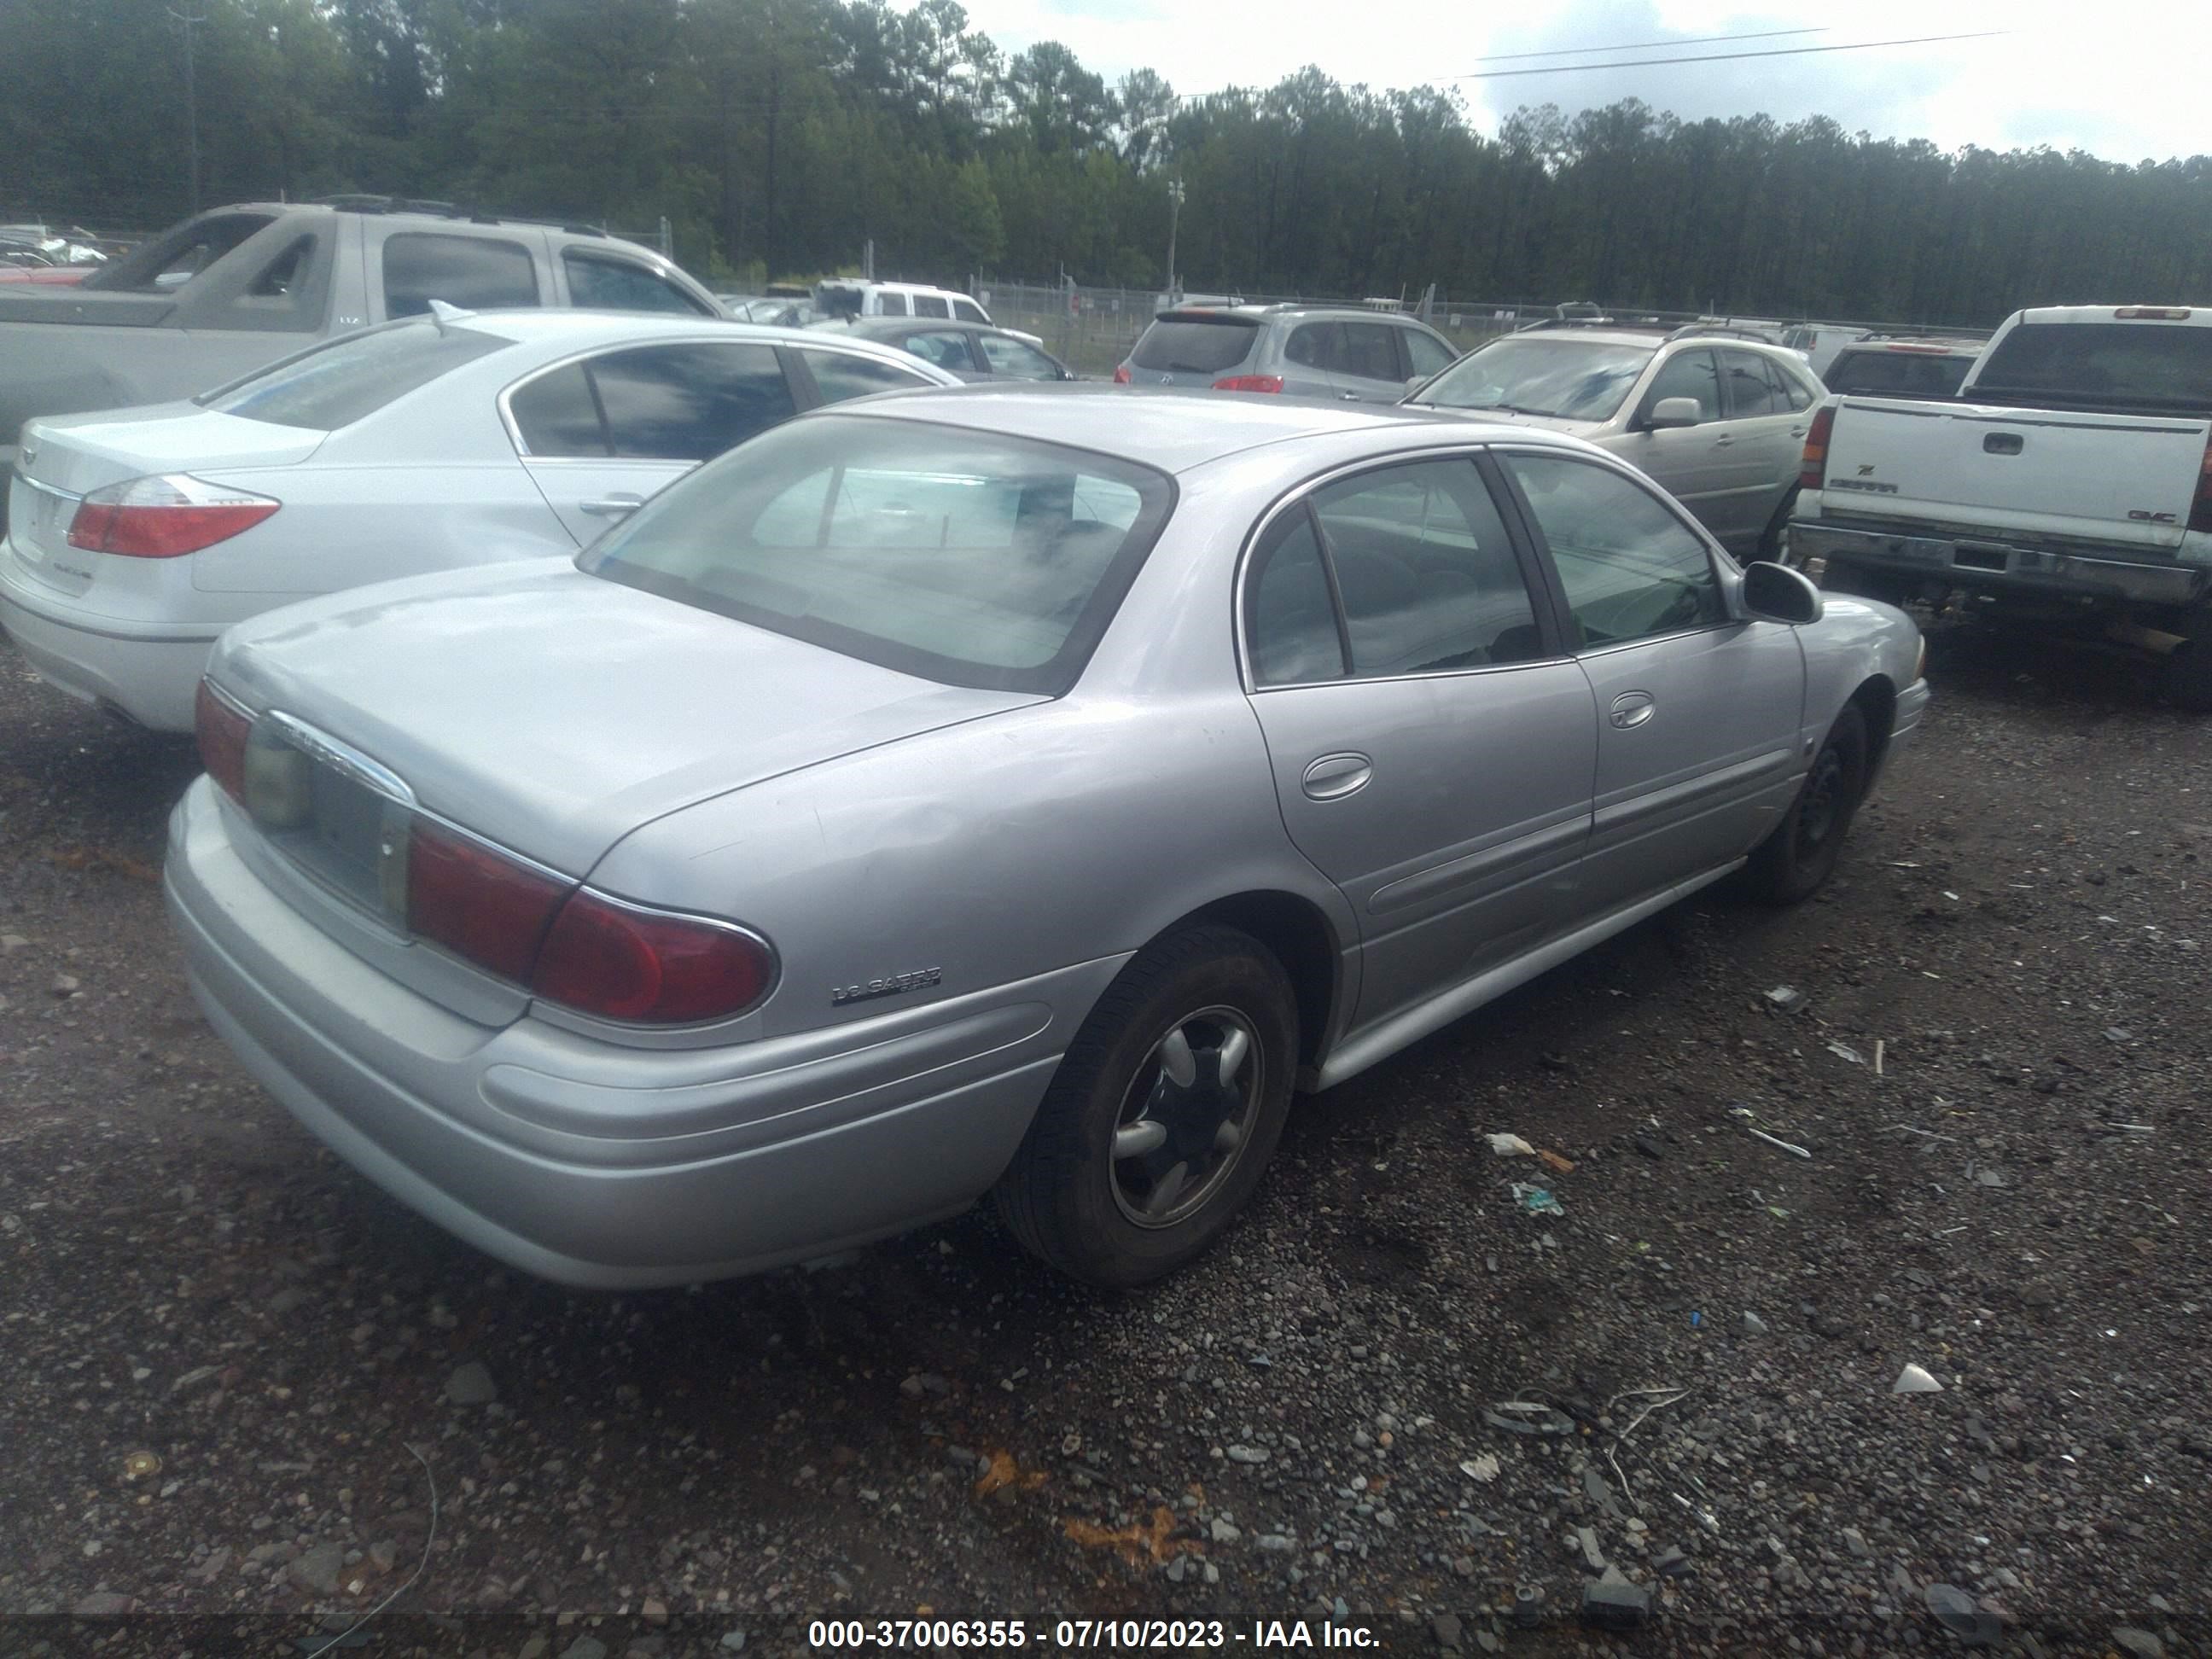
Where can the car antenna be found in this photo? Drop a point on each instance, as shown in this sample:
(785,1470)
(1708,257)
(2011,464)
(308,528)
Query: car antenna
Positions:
(441,314)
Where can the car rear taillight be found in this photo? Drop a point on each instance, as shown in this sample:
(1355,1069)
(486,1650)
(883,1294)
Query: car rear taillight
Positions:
(624,963)
(1813,468)
(478,903)
(1250,383)
(224,729)
(161,517)
(1121,374)
(2200,508)
(570,945)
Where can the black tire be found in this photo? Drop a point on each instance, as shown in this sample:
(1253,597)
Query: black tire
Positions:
(1770,540)
(2187,676)
(1120,1222)
(1800,853)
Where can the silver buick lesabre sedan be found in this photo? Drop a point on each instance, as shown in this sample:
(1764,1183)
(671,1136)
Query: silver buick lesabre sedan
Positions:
(965,792)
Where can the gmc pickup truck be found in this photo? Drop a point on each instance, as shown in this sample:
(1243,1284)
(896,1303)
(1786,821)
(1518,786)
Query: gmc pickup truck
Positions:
(232,289)
(2069,483)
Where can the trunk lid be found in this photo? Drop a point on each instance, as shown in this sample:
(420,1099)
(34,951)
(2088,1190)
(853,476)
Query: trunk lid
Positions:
(2118,479)
(66,458)
(553,713)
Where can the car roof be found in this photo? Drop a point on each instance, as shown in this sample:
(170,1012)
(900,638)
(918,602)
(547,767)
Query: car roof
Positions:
(573,329)
(870,328)
(1169,428)
(1284,308)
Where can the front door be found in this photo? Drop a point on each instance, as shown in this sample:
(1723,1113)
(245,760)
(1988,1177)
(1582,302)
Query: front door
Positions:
(1432,745)
(1690,463)
(1697,714)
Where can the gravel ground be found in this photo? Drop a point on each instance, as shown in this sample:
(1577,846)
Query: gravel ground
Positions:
(236,1372)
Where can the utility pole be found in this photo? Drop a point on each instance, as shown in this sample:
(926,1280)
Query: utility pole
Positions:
(1175,213)
(191,104)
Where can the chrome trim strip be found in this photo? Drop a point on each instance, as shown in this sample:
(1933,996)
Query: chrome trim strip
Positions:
(343,758)
(30,482)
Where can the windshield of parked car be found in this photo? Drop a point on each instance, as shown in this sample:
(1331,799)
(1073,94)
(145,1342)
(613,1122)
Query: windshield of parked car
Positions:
(348,379)
(1574,379)
(2163,364)
(970,558)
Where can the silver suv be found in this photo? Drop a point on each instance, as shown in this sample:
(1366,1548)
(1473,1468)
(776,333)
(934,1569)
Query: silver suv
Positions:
(1312,351)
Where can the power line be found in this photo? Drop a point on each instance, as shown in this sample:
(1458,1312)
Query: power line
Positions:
(1725,57)
(1641,45)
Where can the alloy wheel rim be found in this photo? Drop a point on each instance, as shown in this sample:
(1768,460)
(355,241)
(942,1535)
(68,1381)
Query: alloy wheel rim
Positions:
(1186,1116)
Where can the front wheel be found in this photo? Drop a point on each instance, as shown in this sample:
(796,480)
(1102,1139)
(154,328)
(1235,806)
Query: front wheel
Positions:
(1800,852)
(1165,1110)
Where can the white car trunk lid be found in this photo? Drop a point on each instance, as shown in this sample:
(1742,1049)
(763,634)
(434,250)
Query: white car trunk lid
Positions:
(64,458)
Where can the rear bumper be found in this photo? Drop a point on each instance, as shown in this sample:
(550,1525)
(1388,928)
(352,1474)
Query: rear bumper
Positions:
(150,671)
(609,1167)
(1992,565)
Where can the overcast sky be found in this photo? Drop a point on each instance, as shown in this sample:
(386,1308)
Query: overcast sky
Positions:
(2125,82)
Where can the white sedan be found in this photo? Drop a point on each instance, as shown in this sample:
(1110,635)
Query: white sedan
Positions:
(136,536)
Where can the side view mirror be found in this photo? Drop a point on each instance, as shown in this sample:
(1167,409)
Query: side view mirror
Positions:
(1673,412)
(1775,593)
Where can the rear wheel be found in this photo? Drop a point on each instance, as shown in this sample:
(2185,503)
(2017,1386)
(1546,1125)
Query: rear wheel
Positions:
(1800,853)
(1164,1113)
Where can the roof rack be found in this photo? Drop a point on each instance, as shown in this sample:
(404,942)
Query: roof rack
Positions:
(367,204)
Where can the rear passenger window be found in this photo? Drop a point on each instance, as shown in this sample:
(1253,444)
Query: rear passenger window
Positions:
(1426,573)
(1290,621)
(599,284)
(556,414)
(1370,352)
(477,273)
(928,305)
(686,403)
(841,374)
(891,305)
(1794,390)
(1313,345)
(1751,394)
(969,312)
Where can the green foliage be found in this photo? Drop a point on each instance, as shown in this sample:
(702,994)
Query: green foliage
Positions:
(783,135)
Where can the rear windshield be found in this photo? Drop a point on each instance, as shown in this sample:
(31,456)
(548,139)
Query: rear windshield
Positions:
(970,558)
(2165,364)
(338,383)
(1192,345)
(171,260)
(1574,379)
(1898,374)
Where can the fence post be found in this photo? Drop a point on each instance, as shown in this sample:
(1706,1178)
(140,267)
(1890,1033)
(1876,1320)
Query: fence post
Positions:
(667,238)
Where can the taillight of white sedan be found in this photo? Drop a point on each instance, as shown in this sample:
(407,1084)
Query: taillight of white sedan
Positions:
(986,792)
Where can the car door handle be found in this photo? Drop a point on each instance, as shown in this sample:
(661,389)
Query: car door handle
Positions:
(1334,777)
(1347,397)
(1796,431)
(612,507)
(1632,708)
(1723,442)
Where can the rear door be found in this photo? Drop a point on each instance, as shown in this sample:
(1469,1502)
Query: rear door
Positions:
(1370,366)
(1696,714)
(1766,436)
(602,433)
(1310,355)
(1432,745)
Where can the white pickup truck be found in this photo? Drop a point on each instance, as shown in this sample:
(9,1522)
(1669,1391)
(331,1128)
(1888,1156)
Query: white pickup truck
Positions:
(2069,483)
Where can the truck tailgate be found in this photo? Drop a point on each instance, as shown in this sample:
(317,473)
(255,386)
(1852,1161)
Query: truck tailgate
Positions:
(2122,479)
